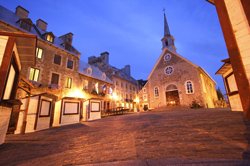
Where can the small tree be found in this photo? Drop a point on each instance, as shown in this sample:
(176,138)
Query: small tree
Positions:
(219,94)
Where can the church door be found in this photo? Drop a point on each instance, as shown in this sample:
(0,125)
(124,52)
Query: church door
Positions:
(172,96)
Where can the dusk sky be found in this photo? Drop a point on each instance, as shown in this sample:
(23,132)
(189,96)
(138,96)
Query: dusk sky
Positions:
(131,30)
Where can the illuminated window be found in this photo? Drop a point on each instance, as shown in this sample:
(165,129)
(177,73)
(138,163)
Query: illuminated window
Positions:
(39,53)
(57,59)
(189,87)
(10,83)
(34,74)
(85,85)
(70,64)
(169,70)
(156,92)
(49,38)
(68,82)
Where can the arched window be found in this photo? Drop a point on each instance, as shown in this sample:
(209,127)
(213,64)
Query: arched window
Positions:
(189,87)
(156,92)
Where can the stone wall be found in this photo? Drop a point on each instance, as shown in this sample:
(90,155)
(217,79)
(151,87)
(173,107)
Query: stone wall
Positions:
(241,30)
(183,71)
(5,113)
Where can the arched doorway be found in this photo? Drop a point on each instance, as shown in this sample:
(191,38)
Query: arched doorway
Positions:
(172,95)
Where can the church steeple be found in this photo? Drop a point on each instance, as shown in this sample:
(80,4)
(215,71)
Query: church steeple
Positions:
(168,39)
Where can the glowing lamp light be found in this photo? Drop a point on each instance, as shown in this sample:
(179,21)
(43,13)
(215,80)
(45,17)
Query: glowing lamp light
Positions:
(137,100)
(114,96)
(76,93)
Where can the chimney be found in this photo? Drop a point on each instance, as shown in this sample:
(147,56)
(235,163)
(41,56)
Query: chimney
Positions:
(126,69)
(105,57)
(21,12)
(67,38)
(41,24)
(91,60)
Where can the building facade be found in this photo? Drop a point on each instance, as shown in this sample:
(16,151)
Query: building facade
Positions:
(175,81)
(234,17)
(125,87)
(58,95)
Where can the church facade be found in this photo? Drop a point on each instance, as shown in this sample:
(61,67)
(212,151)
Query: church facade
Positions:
(175,81)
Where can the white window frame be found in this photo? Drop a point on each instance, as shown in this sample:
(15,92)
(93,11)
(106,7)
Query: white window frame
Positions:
(169,73)
(170,56)
(38,50)
(35,69)
(186,87)
(156,96)
(68,83)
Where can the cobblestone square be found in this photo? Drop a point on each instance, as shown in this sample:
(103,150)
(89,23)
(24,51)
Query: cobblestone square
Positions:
(150,138)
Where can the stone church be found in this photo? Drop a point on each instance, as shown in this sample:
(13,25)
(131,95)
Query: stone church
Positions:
(175,81)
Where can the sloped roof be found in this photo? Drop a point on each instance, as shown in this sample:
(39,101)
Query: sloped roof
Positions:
(96,72)
(12,19)
(112,71)
(178,55)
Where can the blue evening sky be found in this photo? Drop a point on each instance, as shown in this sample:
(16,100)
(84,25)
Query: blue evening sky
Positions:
(131,30)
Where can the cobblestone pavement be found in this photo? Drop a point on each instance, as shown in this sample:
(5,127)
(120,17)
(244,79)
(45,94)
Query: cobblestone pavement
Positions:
(202,137)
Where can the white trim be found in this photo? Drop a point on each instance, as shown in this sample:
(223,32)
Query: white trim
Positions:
(192,83)
(169,73)
(170,56)
(158,92)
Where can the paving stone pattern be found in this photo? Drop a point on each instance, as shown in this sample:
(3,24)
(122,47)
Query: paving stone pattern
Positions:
(151,138)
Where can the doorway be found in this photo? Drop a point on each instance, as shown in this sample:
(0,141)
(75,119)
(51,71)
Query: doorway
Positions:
(172,95)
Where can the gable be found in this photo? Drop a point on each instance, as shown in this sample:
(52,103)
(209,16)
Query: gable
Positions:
(176,62)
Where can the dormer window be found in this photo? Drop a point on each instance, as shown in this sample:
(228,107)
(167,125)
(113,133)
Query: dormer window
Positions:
(25,23)
(89,71)
(103,76)
(49,38)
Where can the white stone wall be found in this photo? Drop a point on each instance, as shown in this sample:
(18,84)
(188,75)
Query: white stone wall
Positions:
(241,30)
(43,122)
(69,119)
(235,102)
(5,113)
(3,42)
(57,111)
(31,115)
(94,114)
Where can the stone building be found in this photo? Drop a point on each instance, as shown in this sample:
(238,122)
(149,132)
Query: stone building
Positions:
(234,17)
(175,81)
(125,87)
(57,93)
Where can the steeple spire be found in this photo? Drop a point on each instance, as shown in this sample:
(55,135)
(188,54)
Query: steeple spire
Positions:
(166,28)
(168,39)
